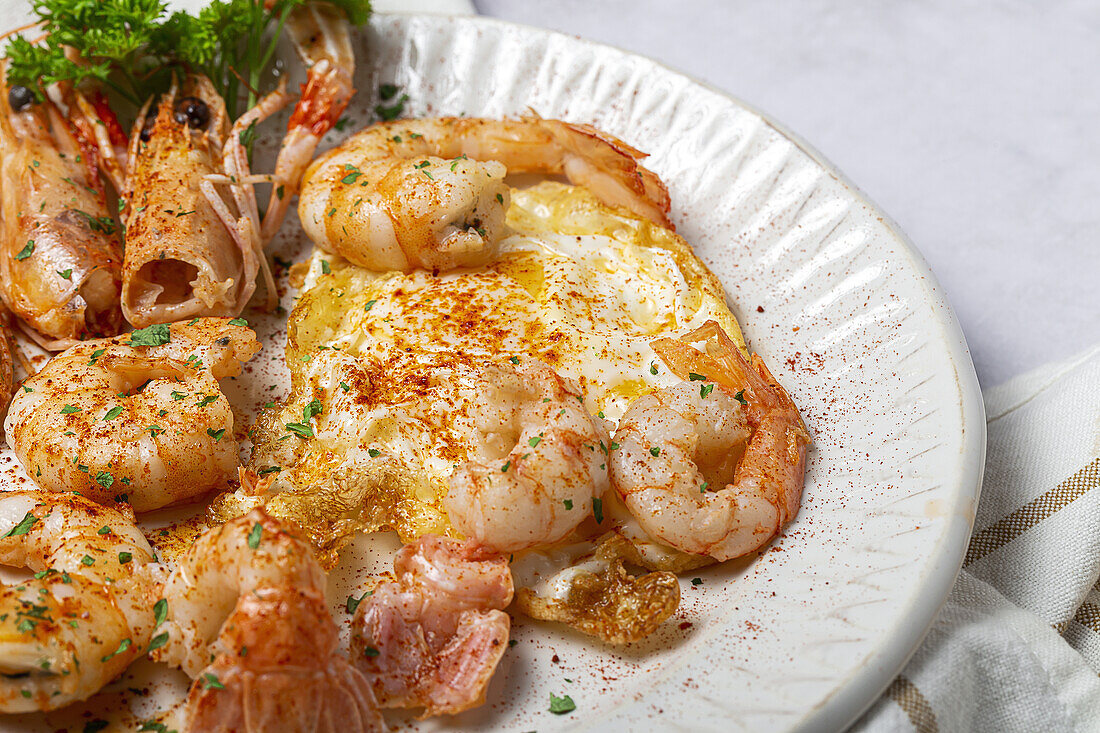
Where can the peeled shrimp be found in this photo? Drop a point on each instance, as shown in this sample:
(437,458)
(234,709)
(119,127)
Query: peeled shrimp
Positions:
(61,248)
(430,193)
(713,465)
(320,35)
(433,637)
(539,459)
(112,419)
(247,621)
(87,612)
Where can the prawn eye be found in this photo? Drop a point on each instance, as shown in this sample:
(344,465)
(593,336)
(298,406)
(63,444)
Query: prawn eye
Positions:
(193,112)
(150,122)
(20,98)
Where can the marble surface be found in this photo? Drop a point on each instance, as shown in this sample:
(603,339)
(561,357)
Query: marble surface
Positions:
(973,124)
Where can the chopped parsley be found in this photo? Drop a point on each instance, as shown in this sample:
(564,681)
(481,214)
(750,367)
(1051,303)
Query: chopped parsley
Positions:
(313,408)
(391,111)
(561,705)
(302,431)
(740,397)
(353,602)
(597,510)
(122,647)
(155,335)
(254,535)
(210,682)
(23,527)
(157,642)
(27,251)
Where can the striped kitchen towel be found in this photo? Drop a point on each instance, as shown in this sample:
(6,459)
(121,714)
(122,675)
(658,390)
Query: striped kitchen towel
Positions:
(1017,645)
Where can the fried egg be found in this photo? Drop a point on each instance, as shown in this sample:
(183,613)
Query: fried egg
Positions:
(363,442)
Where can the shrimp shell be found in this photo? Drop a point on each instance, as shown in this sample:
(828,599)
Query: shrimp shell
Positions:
(432,638)
(61,254)
(187,253)
(595,595)
(247,620)
(279,670)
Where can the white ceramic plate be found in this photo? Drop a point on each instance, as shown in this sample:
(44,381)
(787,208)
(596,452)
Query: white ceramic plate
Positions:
(851,321)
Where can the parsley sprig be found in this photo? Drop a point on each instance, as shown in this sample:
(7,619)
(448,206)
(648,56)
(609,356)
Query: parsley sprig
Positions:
(133,47)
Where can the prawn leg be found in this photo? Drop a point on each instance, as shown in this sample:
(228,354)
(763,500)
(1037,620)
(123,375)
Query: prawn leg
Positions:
(321,38)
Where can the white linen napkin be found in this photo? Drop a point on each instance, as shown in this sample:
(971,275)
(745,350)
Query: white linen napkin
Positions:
(1017,645)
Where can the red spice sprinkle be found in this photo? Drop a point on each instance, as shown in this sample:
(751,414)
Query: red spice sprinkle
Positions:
(759,309)
(555,659)
(686,625)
